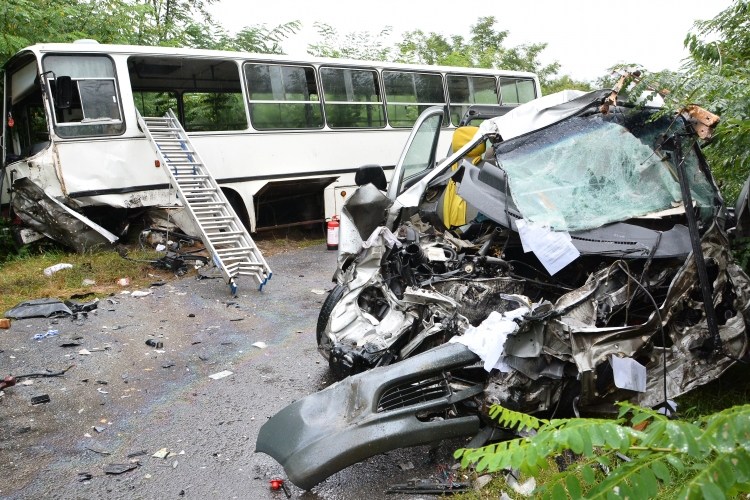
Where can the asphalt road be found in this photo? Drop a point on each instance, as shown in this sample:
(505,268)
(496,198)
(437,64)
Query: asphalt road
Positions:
(147,399)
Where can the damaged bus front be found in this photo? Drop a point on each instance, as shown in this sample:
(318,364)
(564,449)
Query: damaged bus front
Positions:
(573,253)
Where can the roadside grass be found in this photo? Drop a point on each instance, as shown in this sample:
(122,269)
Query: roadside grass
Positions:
(22,272)
(22,276)
(731,389)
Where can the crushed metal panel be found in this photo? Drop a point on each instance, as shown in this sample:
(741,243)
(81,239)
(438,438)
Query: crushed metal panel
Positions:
(50,217)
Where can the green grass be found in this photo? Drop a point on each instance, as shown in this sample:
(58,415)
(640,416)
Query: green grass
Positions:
(22,276)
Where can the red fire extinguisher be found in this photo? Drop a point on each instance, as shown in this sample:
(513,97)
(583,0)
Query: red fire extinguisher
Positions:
(333,233)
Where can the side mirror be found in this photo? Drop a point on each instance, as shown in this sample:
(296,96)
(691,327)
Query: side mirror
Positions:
(371,174)
(63,92)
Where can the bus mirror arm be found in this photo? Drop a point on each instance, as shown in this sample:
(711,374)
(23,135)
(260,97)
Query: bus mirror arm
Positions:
(371,174)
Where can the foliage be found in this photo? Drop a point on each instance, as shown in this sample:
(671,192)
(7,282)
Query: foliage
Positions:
(716,77)
(564,82)
(355,45)
(483,49)
(665,448)
(178,23)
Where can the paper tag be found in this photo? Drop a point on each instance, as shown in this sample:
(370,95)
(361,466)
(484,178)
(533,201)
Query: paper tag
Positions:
(554,250)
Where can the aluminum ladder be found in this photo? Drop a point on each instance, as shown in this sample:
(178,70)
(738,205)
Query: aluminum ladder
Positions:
(232,249)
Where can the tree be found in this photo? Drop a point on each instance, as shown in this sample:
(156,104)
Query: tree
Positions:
(356,45)
(565,82)
(484,49)
(716,76)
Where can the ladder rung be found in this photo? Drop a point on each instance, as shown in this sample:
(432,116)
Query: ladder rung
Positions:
(227,233)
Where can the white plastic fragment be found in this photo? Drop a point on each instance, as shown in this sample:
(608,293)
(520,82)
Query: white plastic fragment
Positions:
(488,339)
(629,374)
(222,374)
(318,291)
(525,488)
(161,453)
(260,345)
(139,293)
(84,352)
(101,391)
(482,481)
(57,267)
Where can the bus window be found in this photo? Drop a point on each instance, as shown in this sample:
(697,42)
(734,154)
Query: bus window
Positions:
(283,97)
(95,107)
(515,91)
(214,111)
(352,98)
(409,94)
(467,90)
(155,103)
(206,94)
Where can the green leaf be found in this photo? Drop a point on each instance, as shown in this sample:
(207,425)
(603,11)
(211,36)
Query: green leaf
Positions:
(652,484)
(588,474)
(558,492)
(712,492)
(675,462)
(575,441)
(639,484)
(661,471)
(611,436)
(573,487)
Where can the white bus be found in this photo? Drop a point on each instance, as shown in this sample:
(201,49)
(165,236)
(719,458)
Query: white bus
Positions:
(283,136)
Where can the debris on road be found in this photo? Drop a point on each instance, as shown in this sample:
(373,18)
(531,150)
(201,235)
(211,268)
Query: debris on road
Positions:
(154,343)
(98,450)
(161,453)
(98,429)
(140,293)
(219,375)
(84,352)
(119,468)
(38,308)
(279,483)
(57,267)
(101,391)
(4,323)
(42,398)
(40,336)
(123,282)
(428,487)
(84,476)
(260,345)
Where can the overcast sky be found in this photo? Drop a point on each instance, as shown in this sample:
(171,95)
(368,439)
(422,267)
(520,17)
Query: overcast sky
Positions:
(584,36)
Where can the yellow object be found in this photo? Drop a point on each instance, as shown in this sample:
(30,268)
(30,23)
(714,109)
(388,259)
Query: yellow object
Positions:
(454,207)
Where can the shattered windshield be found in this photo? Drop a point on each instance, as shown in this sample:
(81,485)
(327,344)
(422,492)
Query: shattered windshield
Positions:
(585,172)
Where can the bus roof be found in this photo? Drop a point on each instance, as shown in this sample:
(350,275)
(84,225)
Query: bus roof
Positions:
(97,48)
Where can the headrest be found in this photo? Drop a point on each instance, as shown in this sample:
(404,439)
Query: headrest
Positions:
(462,135)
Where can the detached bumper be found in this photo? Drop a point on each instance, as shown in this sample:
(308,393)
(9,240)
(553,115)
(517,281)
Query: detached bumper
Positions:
(368,414)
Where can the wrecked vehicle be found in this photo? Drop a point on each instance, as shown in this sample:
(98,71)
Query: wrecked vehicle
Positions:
(571,254)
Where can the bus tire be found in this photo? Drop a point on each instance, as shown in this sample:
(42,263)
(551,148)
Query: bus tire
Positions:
(325,312)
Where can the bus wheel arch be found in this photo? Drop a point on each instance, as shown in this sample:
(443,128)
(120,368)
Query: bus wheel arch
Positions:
(238,204)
